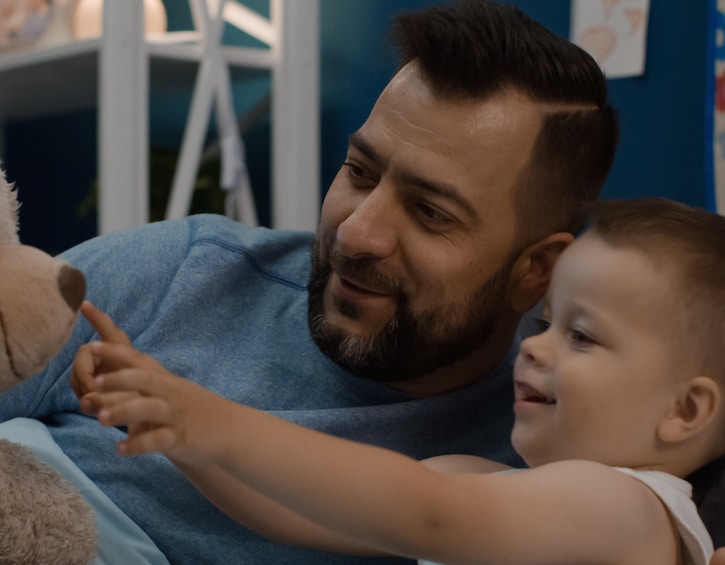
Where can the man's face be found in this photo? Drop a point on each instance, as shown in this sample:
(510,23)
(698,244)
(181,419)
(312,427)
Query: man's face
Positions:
(412,263)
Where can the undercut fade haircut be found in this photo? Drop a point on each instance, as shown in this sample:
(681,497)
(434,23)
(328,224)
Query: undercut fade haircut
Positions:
(477,49)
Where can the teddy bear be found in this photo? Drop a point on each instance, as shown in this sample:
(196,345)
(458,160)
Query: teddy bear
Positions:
(44,519)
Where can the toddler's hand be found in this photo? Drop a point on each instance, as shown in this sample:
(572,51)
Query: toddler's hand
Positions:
(85,365)
(163,412)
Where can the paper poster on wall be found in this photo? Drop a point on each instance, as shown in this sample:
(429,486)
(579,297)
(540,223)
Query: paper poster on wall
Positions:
(715,104)
(614,32)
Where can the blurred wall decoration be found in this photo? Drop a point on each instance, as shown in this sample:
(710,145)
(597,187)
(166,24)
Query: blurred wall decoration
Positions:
(715,106)
(614,32)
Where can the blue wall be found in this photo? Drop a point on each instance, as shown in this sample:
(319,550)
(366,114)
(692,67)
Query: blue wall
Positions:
(662,113)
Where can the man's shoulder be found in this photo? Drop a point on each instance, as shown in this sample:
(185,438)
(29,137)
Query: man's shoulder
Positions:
(213,229)
(275,254)
(196,251)
(175,240)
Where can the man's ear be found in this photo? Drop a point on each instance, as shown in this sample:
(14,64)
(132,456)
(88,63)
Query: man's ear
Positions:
(531,273)
(694,410)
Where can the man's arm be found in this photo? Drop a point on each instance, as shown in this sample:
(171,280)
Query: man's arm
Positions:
(719,557)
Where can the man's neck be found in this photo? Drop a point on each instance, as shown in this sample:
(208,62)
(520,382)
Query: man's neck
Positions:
(465,371)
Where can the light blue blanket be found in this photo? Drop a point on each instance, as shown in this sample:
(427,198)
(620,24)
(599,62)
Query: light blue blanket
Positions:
(120,539)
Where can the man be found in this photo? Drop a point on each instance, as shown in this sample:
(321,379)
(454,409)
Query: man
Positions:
(440,230)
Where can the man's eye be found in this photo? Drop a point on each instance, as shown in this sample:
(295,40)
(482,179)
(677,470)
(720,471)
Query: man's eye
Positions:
(431,215)
(358,176)
(353,170)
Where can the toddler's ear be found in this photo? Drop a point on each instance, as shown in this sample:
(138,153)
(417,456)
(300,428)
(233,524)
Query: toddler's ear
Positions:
(694,411)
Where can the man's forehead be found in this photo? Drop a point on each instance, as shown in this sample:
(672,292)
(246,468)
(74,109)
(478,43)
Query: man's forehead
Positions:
(455,125)
(411,86)
(412,76)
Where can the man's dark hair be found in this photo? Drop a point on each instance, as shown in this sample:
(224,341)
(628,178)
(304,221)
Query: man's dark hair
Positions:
(475,49)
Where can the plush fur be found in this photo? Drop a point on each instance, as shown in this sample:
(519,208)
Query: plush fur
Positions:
(43,518)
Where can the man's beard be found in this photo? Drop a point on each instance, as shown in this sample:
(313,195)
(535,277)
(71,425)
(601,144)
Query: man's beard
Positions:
(410,345)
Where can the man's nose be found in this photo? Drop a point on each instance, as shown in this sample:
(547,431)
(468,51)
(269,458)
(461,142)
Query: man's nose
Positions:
(371,230)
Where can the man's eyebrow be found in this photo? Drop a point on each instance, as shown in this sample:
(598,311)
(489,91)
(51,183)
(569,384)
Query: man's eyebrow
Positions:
(361,144)
(444,190)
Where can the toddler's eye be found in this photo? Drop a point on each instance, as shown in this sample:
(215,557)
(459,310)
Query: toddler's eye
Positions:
(541,325)
(580,338)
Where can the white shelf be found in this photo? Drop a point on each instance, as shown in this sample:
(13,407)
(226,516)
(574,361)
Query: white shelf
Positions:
(25,57)
(116,72)
(49,80)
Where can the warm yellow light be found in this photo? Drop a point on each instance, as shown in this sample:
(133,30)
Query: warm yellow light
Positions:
(88,18)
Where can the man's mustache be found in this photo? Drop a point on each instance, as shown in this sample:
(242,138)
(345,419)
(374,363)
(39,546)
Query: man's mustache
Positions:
(364,272)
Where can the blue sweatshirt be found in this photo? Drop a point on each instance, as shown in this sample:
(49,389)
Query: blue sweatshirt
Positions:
(226,306)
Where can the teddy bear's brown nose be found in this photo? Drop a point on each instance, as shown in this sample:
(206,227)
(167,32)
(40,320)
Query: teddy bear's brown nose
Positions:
(72,286)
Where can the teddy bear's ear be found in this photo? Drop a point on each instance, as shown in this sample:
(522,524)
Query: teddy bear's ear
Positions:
(8,212)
